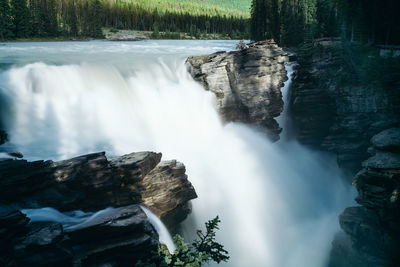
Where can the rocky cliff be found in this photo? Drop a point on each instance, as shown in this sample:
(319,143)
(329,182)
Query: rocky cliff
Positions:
(333,111)
(246,83)
(89,183)
(371,232)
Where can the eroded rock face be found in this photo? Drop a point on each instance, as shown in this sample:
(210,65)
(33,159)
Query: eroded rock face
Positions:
(119,237)
(341,118)
(92,182)
(170,203)
(115,237)
(246,83)
(372,231)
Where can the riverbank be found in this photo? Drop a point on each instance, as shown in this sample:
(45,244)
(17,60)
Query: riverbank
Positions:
(112,34)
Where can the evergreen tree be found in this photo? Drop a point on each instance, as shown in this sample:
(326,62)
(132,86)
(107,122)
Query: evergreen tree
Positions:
(52,29)
(36,26)
(21,18)
(71,19)
(95,22)
(6,25)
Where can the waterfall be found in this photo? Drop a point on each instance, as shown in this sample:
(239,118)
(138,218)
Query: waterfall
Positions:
(164,236)
(278,202)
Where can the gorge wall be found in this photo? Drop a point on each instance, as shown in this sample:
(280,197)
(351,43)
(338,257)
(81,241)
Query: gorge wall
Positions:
(119,236)
(246,83)
(332,112)
(371,232)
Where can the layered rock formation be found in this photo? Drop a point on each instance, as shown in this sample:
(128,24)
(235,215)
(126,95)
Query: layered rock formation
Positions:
(335,114)
(118,237)
(371,232)
(246,83)
(92,182)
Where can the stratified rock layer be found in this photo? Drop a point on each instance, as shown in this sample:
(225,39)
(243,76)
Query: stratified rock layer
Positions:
(114,237)
(120,237)
(92,182)
(331,114)
(372,231)
(246,83)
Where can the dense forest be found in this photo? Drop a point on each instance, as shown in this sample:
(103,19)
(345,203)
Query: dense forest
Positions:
(290,22)
(73,18)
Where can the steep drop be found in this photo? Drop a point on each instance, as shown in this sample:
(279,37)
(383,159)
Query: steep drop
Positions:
(278,202)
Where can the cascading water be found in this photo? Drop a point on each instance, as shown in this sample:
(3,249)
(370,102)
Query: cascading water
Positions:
(75,219)
(278,202)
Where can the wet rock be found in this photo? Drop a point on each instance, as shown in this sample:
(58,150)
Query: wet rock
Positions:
(246,83)
(362,243)
(372,231)
(92,182)
(118,237)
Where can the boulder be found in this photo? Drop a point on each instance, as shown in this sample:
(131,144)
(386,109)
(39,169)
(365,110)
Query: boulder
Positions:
(246,83)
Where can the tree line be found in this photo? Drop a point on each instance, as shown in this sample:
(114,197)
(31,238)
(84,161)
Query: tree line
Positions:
(73,18)
(290,22)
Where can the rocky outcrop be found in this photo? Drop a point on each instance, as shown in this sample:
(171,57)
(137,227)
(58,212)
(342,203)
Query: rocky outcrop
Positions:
(113,237)
(169,203)
(92,182)
(246,83)
(332,112)
(371,232)
(120,237)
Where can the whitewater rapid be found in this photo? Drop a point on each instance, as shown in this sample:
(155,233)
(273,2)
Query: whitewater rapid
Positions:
(278,202)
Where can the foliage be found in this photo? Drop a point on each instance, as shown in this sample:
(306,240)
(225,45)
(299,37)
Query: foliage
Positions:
(21,18)
(6,24)
(156,31)
(50,18)
(365,21)
(204,249)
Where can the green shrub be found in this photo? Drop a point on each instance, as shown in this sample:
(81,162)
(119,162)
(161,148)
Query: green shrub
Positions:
(204,249)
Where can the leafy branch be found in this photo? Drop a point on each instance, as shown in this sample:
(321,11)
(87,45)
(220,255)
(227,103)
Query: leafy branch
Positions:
(204,249)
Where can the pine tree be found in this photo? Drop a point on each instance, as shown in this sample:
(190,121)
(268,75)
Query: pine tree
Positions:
(52,29)
(72,19)
(265,21)
(21,18)
(95,22)
(34,8)
(6,25)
